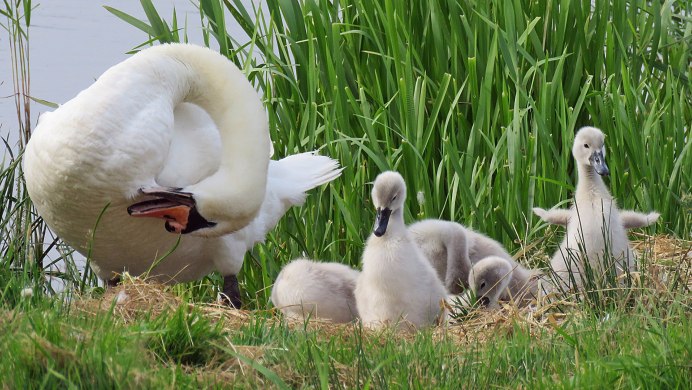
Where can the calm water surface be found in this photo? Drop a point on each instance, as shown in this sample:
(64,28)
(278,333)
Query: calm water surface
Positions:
(72,42)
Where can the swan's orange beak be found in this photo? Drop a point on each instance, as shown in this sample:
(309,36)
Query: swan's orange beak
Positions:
(175,215)
(177,208)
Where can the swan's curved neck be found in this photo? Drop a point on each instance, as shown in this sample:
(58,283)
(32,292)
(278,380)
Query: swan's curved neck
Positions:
(398,215)
(590,181)
(222,91)
(209,80)
(396,220)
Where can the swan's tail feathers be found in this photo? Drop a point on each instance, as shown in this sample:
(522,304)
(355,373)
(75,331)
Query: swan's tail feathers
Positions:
(296,174)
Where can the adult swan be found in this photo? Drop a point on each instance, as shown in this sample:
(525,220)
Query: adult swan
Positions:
(177,133)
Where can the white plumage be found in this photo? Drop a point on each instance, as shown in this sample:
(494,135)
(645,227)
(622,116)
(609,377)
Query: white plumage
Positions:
(489,279)
(464,257)
(496,278)
(452,249)
(309,289)
(397,284)
(133,130)
(595,232)
(629,219)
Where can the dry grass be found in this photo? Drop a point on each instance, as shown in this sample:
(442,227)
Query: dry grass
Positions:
(662,247)
(136,298)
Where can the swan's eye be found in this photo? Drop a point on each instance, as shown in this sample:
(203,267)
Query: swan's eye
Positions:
(482,285)
(394,198)
(586,146)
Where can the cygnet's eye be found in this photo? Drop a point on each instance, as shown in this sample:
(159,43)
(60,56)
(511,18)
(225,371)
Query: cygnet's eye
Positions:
(394,198)
(586,146)
(482,284)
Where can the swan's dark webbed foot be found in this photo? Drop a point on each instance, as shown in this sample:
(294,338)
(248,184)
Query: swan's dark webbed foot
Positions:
(231,292)
(112,282)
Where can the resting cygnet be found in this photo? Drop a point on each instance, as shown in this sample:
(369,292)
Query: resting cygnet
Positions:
(306,288)
(496,279)
(629,219)
(594,225)
(452,249)
(397,284)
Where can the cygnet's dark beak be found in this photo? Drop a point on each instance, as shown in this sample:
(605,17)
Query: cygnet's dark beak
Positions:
(381,221)
(598,163)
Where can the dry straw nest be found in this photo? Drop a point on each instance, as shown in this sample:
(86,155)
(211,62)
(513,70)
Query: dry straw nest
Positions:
(135,298)
(666,256)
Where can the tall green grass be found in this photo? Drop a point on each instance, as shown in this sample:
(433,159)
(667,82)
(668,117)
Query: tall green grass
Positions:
(475,103)
(29,252)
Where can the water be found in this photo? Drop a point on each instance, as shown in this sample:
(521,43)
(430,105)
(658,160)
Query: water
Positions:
(72,42)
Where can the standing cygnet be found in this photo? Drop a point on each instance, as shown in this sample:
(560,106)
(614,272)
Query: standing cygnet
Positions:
(495,278)
(397,282)
(453,248)
(306,288)
(629,219)
(595,231)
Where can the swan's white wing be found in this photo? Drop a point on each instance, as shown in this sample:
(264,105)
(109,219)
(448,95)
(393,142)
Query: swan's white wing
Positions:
(287,182)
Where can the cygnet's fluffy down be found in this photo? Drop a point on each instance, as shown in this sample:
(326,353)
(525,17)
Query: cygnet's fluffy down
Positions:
(596,240)
(629,219)
(452,249)
(397,284)
(496,279)
(309,289)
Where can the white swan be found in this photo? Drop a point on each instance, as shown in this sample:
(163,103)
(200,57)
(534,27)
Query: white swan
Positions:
(452,249)
(397,284)
(595,233)
(129,144)
(629,219)
(287,181)
(495,278)
(306,288)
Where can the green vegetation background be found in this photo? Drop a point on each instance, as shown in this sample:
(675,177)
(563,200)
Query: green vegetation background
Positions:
(476,104)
